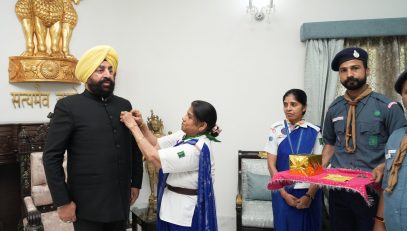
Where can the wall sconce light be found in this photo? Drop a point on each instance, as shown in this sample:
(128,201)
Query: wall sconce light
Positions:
(259,15)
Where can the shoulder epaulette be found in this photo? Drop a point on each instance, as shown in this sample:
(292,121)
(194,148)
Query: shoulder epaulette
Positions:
(336,101)
(380,97)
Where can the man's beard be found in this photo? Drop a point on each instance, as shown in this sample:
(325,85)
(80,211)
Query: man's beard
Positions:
(352,83)
(98,89)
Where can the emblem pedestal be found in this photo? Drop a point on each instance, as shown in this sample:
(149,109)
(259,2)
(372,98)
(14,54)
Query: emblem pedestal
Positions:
(41,69)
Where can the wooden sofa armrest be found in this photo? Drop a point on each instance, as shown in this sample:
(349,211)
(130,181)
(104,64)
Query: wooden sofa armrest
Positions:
(33,216)
(239,211)
(239,200)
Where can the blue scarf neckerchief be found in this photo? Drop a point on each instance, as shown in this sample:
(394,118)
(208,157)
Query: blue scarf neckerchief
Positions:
(206,209)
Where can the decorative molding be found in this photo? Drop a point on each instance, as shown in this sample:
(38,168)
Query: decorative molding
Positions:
(41,69)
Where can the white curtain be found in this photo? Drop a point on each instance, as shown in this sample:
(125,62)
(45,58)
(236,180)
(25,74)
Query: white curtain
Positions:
(320,82)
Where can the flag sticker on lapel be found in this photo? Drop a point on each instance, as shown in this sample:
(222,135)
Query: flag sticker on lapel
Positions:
(181,154)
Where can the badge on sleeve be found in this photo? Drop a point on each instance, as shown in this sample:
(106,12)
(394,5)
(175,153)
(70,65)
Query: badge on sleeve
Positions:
(273,130)
(181,154)
(337,119)
(389,153)
(321,141)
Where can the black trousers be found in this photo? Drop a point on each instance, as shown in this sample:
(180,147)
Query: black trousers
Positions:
(348,211)
(85,225)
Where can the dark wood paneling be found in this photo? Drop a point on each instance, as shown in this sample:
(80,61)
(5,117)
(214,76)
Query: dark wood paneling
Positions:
(8,144)
(10,196)
(10,202)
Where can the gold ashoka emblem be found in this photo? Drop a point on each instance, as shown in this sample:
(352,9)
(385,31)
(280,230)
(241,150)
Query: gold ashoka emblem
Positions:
(49,69)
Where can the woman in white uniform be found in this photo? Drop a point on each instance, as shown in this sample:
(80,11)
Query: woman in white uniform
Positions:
(185,190)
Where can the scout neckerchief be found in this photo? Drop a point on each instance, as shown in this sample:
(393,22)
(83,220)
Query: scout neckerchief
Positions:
(397,162)
(206,209)
(208,135)
(351,120)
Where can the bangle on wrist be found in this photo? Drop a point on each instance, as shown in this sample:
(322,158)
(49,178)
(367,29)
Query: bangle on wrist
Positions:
(379,219)
(141,125)
(309,196)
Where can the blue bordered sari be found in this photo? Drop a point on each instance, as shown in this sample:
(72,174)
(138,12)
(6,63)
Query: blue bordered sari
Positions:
(204,218)
(287,218)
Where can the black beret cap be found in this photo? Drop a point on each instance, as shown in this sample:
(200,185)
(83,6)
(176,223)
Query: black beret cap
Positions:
(398,86)
(348,54)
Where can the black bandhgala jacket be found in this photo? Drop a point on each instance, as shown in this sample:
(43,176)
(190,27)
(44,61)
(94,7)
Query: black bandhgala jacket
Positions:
(103,158)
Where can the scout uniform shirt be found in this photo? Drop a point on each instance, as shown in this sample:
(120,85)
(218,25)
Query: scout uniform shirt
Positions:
(182,163)
(395,202)
(376,118)
(277,134)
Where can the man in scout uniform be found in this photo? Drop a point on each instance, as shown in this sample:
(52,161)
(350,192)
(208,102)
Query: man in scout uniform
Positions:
(392,212)
(356,128)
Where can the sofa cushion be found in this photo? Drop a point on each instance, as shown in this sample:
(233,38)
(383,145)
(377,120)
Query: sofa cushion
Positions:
(37,169)
(257,187)
(41,195)
(256,166)
(51,221)
(39,188)
(257,214)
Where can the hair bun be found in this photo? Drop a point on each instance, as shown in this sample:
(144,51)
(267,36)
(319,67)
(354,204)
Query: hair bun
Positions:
(216,130)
